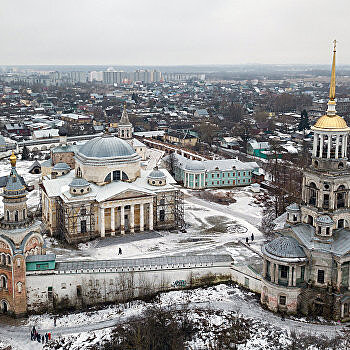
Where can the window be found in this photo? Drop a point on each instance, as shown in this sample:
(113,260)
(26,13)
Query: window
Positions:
(328,231)
(19,287)
(162,215)
(3,282)
(63,286)
(284,271)
(116,175)
(283,300)
(83,226)
(83,211)
(320,276)
(18,262)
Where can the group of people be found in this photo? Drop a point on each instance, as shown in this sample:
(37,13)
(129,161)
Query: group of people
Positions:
(247,239)
(36,336)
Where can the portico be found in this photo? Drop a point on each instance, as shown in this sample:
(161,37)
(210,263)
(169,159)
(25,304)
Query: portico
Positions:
(125,215)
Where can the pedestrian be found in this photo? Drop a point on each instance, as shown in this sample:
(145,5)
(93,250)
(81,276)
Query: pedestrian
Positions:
(246,239)
(46,337)
(34,330)
(38,338)
(49,335)
(252,237)
(31,335)
(54,321)
(120,251)
(42,339)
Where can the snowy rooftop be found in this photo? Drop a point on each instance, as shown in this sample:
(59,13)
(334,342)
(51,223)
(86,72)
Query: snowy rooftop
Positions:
(157,261)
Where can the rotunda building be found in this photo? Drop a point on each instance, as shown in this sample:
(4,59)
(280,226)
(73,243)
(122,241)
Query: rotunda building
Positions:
(283,274)
(107,158)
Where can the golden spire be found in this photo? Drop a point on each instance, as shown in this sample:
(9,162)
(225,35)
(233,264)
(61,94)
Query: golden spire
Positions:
(332,87)
(13,159)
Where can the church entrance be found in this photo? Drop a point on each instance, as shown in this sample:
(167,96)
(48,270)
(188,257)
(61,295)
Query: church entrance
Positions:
(4,307)
(126,222)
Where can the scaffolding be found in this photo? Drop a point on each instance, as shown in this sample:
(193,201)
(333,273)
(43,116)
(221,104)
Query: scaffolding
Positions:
(169,210)
(75,221)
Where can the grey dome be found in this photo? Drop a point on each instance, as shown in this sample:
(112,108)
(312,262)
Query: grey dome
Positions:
(324,220)
(61,166)
(156,174)
(106,147)
(285,247)
(195,165)
(293,207)
(78,182)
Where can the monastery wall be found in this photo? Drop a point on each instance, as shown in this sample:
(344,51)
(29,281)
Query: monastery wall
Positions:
(245,276)
(76,288)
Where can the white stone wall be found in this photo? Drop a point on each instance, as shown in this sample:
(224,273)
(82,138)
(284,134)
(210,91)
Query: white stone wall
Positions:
(246,277)
(100,287)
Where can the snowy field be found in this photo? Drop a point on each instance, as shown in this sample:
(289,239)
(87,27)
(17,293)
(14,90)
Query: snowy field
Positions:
(211,305)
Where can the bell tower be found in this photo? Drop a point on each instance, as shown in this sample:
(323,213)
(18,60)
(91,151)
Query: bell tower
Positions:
(125,129)
(326,183)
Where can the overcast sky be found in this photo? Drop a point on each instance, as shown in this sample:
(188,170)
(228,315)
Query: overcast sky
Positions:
(173,32)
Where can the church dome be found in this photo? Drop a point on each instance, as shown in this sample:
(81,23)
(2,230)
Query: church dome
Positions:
(284,247)
(331,122)
(79,182)
(156,174)
(106,147)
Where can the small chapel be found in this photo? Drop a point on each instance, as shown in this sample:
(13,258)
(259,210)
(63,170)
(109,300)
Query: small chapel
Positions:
(306,269)
(100,189)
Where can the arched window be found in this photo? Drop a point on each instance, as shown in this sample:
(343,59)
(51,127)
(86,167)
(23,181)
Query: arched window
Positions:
(312,194)
(340,223)
(24,214)
(8,259)
(108,178)
(341,196)
(3,282)
(19,287)
(3,259)
(310,220)
(7,215)
(78,172)
(16,215)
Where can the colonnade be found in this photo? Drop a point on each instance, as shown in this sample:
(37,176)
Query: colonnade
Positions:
(131,219)
(322,139)
(274,274)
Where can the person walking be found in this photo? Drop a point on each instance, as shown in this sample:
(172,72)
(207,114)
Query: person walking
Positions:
(54,321)
(120,251)
(247,240)
(46,337)
(49,335)
(252,237)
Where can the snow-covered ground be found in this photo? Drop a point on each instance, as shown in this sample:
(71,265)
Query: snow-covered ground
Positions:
(211,228)
(83,329)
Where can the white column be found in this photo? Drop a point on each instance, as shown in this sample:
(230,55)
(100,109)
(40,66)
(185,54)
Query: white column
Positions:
(314,150)
(329,138)
(132,218)
(142,219)
(122,220)
(264,268)
(151,216)
(290,276)
(344,140)
(113,221)
(295,269)
(321,145)
(102,222)
(337,147)
(276,273)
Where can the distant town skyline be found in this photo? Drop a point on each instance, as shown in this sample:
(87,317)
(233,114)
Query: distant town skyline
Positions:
(166,33)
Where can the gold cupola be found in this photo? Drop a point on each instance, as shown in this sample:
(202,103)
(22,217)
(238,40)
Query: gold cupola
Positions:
(13,159)
(331,121)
